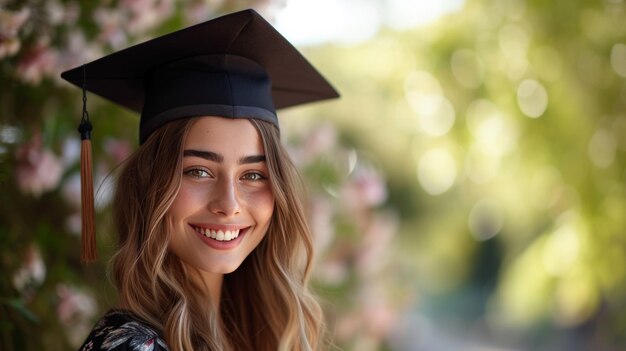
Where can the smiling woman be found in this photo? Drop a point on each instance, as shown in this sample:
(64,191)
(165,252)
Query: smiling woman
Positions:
(214,177)
(214,252)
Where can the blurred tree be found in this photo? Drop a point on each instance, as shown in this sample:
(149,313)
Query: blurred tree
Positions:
(501,130)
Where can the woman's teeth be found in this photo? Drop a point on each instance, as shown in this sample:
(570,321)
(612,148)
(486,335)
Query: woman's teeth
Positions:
(218,235)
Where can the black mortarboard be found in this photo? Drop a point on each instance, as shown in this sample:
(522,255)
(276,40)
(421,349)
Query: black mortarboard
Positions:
(235,66)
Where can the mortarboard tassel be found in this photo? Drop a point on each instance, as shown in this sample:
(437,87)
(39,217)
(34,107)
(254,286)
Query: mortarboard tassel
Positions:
(89,251)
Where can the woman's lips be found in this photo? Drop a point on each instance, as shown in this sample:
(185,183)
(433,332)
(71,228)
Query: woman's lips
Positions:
(222,238)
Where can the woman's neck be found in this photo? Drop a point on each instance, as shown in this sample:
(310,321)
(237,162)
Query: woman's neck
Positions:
(211,284)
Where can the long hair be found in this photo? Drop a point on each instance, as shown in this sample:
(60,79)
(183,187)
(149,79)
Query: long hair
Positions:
(265,303)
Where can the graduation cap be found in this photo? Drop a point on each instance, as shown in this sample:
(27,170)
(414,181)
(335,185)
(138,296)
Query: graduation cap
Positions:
(235,66)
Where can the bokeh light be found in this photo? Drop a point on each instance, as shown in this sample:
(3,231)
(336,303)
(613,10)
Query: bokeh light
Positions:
(532,98)
(494,132)
(437,171)
(468,68)
(602,148)
(618,59)
(485,219)
(435,113)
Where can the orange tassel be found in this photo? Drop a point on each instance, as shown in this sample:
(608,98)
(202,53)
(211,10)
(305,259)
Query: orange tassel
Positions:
(89,250)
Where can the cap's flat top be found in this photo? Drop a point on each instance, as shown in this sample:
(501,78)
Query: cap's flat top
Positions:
(120,76)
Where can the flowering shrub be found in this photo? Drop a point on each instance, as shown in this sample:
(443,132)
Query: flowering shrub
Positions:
(49,300)
(353,233)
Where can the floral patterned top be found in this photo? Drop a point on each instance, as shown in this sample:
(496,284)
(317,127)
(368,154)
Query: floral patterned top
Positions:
(123,331)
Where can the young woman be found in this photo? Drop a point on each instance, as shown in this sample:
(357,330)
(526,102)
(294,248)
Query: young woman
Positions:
(214,252)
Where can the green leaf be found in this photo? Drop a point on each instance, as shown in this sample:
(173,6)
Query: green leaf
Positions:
(18,304)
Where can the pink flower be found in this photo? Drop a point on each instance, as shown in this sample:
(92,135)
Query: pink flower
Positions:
(75,310)
(379,317)
(366,189)
(146,14)
(332,271)
(347,325)
(119,150)
(38,170)
(9,46)
(373,251)
(66,13)
(321,219)
(74,303)
(111,24)
(10,24)
(39,62)
(321,140)
(76,51)
(32,272)
(200,11)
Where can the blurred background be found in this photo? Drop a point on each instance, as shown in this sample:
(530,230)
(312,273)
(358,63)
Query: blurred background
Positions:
(467,192)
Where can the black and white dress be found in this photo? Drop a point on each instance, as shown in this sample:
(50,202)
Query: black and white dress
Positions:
(121,330)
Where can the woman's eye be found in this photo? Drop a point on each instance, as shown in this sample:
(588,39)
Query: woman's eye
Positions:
(197,173)
(254,176)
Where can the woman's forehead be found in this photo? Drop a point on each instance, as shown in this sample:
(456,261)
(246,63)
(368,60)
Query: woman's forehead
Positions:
(224,135)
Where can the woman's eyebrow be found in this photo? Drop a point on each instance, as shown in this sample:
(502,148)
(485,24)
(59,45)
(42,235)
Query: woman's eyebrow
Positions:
(215,157)
(207,155)
(252,159)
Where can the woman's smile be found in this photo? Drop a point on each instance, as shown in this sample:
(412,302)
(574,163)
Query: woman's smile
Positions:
(218,234)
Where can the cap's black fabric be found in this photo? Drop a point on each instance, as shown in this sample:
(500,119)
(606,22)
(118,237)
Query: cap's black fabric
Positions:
(235,66)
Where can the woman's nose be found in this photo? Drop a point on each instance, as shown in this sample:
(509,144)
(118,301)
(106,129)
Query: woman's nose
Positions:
(225,199)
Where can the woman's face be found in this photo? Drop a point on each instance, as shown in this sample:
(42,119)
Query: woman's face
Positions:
(225,202)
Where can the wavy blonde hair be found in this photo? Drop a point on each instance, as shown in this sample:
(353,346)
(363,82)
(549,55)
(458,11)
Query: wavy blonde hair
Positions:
(265,304)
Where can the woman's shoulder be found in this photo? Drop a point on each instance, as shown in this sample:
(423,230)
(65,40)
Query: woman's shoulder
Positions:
(120,330)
